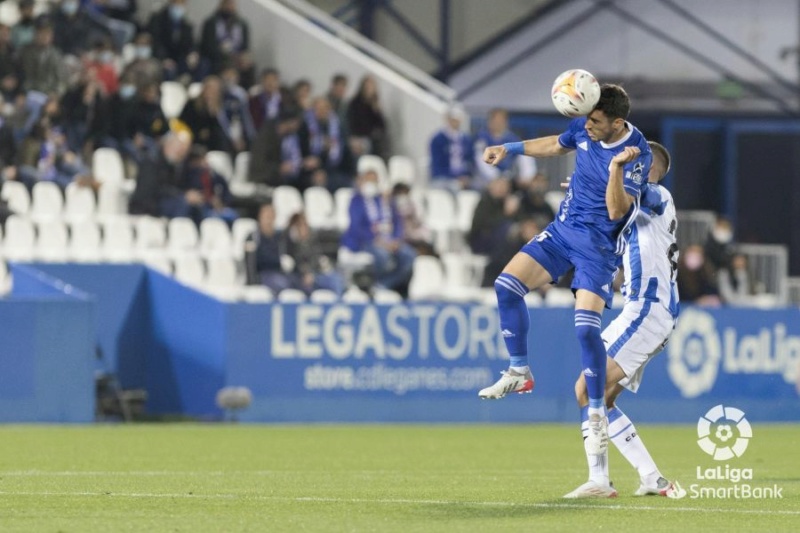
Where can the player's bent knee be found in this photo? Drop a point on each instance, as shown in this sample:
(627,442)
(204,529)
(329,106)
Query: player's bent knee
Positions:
(581,393)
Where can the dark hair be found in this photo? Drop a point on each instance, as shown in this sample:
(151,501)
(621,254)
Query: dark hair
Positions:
(663,153)
(338,78)
(497,111)
(269,71)
(614,102)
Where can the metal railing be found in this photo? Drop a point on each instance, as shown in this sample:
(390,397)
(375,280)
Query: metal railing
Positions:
(769,265)
(694,226)
(377,52)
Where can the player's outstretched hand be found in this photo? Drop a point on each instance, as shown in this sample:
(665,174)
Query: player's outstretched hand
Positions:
(494,154)
(626,156)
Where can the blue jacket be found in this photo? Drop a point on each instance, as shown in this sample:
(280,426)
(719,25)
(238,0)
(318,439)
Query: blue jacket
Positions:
(442,150)
(362,232)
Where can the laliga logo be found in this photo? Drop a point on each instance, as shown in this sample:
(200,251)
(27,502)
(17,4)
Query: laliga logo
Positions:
(723,432)
(694,353)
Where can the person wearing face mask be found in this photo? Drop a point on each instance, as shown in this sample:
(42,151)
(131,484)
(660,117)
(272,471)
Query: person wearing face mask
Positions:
(696,278)
(121,110)
(225,35)
(103,66)
(719,246)
(85,111)
(74,29)
(415,232)
(144,69)
(173,40)
(377,228)
(236,119)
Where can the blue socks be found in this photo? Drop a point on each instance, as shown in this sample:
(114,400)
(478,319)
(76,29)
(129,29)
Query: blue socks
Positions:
(593,357)
(514,319)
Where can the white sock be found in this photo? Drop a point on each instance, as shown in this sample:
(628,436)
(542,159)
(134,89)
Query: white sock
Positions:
(520,369)
(623,434)
(598,464)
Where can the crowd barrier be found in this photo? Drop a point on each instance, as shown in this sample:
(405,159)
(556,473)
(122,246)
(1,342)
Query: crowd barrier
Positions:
(416,362)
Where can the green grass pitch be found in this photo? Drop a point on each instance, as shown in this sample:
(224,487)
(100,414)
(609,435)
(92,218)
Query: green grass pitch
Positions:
(408,478)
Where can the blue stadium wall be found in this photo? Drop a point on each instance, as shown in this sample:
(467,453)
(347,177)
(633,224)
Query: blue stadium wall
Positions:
(419,362)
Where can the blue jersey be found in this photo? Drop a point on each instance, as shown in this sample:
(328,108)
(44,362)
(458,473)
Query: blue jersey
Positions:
(585,203)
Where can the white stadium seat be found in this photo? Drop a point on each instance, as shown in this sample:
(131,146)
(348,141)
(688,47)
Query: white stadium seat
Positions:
(215,238)
(20,238)
(194,89)
(107,166)
(341,200)
(287,202)
(242,229)
(160,263)
(427,279)
(80,203)
(220,162)
(222,279)
(257,294)
(466,202)
(354,295)
(183,236)
(294,296)
(324,296)
(51,243)
(118,239)
(401,170)
(189,270)
(17,197)
(85,241)
(151,233)
(48,201)
(319,207)
(386,296)
(441,217)
(376,164)
(111,201)
(173,98)
(558,297)
(554,199)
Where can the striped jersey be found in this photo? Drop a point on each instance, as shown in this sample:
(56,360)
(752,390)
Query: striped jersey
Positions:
(651,257)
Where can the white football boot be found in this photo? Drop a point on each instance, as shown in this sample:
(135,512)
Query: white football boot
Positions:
(510,381)
(664,487)
(592,489)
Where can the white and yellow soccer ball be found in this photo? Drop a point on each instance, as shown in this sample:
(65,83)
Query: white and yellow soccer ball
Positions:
(575,93)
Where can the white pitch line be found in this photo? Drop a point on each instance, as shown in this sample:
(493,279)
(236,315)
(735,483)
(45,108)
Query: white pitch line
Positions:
(396,501)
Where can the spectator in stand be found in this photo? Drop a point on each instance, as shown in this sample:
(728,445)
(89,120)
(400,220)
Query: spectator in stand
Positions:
(736,286)
(225,36)
(269,249)
(160,176)
(337,96)
(237,122)
(493,217)
(312,269)
(173,42)
(323,146)
(42,64)
(415,232)
(85,113)
(103,66)
(24,29)
(267,104)
(719,246)
(206,193)
(276,157)
(365,121)
(533,203)
(147,124)
(376,227)
(9,78)
(520,169)
(696,280)
(246,66)
(301,95)
(519,234)
(124,10)
(75,29)
(144,69)
(121,115)
(203,115)
(45,156)
(451,155)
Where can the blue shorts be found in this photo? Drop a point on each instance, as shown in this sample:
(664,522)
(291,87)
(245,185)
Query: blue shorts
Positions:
(593,254)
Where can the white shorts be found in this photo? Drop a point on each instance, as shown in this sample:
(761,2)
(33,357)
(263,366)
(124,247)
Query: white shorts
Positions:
(633,338)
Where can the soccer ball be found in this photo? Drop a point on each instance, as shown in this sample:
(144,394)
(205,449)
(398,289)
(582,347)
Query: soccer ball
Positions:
(575,93)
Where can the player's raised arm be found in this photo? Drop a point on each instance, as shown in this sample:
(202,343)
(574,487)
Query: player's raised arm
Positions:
(618,201)
(540,147)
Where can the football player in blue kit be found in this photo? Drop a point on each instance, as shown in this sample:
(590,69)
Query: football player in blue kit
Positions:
(588,234)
